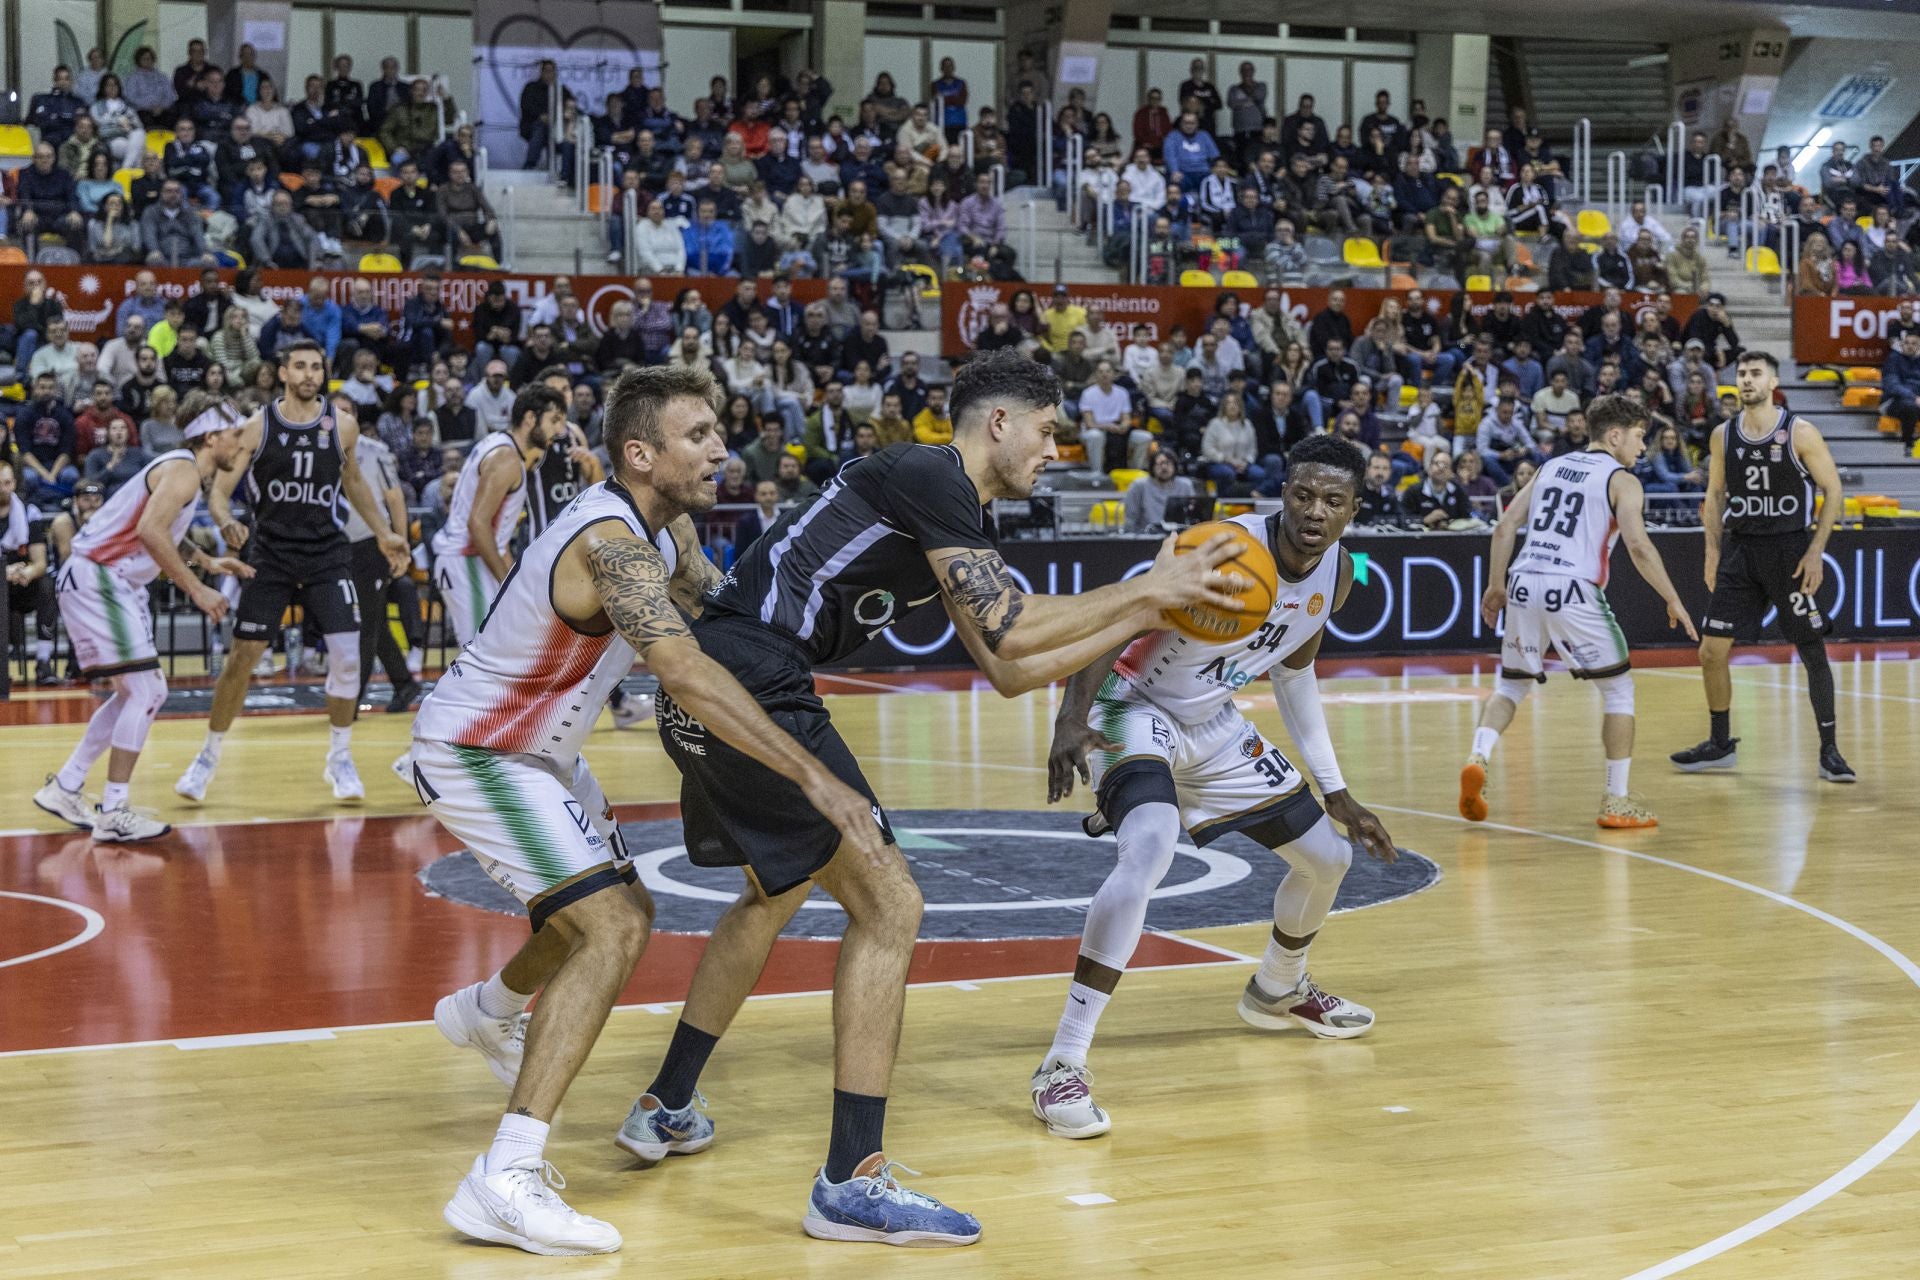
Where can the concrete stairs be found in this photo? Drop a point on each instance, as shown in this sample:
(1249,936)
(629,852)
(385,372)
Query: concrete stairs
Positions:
(541,222)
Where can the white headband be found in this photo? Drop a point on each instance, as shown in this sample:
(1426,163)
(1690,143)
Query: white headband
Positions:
(218,418)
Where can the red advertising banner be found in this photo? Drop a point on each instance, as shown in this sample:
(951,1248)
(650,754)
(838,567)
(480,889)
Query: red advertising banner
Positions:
(964,308)
(91,294)
(1845,330)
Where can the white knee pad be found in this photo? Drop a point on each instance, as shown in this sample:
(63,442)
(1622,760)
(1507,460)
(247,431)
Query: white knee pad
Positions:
(1514,691)
(1616,694)
(142,694)
(1119,909)
(343,664)
(1322,852)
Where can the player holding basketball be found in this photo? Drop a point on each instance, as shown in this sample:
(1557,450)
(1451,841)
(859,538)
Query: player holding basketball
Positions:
(1573,510)
(890,533)
(301,475)
(130,541)
(496,757)
(1157,735)
(1764,547)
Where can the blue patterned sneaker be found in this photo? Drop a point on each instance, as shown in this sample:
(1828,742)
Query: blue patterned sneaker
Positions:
(653,1133)
(872,1206)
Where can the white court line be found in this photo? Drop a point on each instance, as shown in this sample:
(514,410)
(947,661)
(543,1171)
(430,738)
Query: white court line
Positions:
(1779,684)
(1091,1197)
(1872,1159)
(248,1039)
(88,931)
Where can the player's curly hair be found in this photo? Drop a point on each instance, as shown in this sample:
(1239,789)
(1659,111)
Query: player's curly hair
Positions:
(1008,377)
(1329,450)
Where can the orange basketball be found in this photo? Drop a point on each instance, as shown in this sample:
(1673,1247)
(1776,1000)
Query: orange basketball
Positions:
(1252,562)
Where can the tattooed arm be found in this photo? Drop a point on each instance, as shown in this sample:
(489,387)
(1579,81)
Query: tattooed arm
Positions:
(630,579)
(1023,641)
(695,575)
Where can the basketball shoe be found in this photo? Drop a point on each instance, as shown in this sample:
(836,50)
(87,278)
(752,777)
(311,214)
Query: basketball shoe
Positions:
(520,1206)
(1063,1097)
(193,783)
(1833,766)
(1624,813)
(654,1133)
(127,825)
(501,1041)
(873,1207)
(1327,1016)
(68,806)
(635,708)
(1473,789)
(343,777)
(1707,755)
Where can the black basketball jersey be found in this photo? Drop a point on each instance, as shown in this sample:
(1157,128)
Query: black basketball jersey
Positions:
(294,483)
(1768,489)
(553,484)
(851,561)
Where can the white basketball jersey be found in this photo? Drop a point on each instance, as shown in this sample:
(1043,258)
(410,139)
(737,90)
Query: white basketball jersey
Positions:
(112,537)
(1191,679)
(453,539)
(528,683)
(1571,529)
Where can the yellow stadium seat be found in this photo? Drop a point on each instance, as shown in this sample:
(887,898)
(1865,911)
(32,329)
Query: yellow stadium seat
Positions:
(1479,284)
(1107,515)
(1818,375)
(1401,280)
(1763,261)
(157,140)
(334,384)
(384,263)
(1523,255)
(1861,373)
(1359,251)
(929,279)
(1405,483)
(1239,280)
(1860,397)
(12,255)
(1073,452)
(1414,449)
(479,262)
(376,152)
(1197,279)
(125,178)
(1408,394)
(1593,223)
(1124,477)
(1888,426)
(1864,220)
(386,187)
(15,142)
(1457,179)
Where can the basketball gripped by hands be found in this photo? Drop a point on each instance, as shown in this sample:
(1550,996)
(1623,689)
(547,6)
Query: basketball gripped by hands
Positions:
(1192,578)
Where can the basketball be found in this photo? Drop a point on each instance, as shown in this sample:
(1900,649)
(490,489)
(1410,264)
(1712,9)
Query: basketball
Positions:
(1252,561)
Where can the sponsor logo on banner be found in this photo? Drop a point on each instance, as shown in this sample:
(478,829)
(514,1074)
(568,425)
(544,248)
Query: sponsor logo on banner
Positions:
(1850,330)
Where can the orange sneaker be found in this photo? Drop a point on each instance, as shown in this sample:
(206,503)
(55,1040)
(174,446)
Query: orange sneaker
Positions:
(1624,813)
(1473,789)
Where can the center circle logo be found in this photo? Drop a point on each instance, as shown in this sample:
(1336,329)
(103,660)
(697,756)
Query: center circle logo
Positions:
(985,875)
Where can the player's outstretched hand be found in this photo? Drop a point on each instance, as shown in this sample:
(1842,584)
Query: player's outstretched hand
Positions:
(1068,756)
(1676,617)
(851,814)
(235,534)
(1493,602)
(1361,824)
(1810,573)
(1180,580)
(394,547)
(234,565)
(209,602)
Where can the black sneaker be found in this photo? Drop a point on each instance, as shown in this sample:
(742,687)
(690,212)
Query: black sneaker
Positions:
(404,697)
(1708,755)
(44,674)
(1833,767)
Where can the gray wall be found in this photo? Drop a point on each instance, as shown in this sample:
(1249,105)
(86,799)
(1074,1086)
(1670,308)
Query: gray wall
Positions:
(1816,67)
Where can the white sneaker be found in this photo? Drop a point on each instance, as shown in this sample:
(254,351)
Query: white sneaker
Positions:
(344,778)
(637,709)
(1329,1017)
(501,1041)
(1063,1097)
(124,824)
(519,1206)
(264,667)
(193,783)
(68,806)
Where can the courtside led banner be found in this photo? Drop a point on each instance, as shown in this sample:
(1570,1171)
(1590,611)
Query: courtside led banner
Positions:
(1846,330)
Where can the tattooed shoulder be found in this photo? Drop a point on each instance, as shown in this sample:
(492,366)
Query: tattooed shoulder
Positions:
(630,576)
(980,584)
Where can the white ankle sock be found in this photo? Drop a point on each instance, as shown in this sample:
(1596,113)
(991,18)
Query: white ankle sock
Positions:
(1075,1034)
(498,1000)
(114,797)
(1484,741)
(211,749)
(1617,776)
(518,1138)
(339,740)
(1280,969)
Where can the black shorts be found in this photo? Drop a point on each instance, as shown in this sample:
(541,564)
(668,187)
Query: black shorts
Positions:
(1757,573)
(322,584)
(736,812)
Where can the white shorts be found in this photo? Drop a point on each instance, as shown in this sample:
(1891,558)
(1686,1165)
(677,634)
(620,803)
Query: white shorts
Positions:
(545,833)
(1222,775)
(467,588)
(106,618)
(1570,614)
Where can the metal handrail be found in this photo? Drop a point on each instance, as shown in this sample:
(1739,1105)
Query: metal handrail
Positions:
(582,162)
(999,173)
(481,162)
(630,214)
(1656,200)
(1752,204)
(1032,256)
(1103,219)
(1583,161)
(1043,149)
(1714,171)
(966,145)
(509,232)
(1789,257)
(1676,148)
(1076,155)
(1616,185)
(1140,234)
(555,132)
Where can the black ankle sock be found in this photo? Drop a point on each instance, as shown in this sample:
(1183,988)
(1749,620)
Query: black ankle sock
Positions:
(1813,656)
(859,1120)
(680,1069)
(1722,730)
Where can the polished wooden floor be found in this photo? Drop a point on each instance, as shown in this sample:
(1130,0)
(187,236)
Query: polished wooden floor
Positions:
(1599,1055)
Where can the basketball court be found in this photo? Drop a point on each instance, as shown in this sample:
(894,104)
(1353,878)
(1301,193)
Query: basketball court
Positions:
(1604,1055)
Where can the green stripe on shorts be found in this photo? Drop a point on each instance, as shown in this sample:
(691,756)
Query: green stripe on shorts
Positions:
(1619,636)
(478,602)
(116,616)
(483,767)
